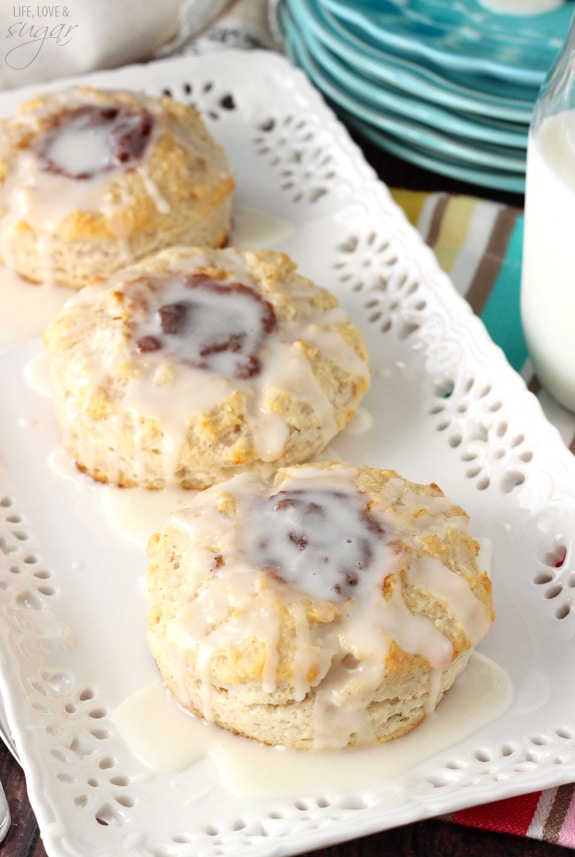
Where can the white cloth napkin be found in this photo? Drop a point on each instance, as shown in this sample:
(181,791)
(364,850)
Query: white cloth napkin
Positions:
(241,24)
(41,41)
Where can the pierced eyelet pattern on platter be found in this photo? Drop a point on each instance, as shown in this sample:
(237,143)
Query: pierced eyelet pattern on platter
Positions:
(207,96)
(491,451)
(73,721)
(307,171)
(502,763)
(555,578)
(467,422)
(23,576)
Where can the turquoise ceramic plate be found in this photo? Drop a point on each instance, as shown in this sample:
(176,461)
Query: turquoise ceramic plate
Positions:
(476,92)
(381,97)
(482,176)
(460,34)
(420,82)
(448,146)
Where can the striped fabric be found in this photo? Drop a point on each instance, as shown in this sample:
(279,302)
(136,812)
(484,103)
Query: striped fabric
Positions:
(478,243)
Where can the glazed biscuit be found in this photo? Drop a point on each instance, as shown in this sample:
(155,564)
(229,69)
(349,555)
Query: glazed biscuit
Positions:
(328,607)
(93,180)
(196,364)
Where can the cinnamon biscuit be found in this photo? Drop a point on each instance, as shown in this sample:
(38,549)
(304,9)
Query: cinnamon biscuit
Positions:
(93,180)
(329,607)
(196,364)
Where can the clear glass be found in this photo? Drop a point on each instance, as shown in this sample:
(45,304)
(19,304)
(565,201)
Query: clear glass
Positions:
(557,91)
(548,269)
(4,814)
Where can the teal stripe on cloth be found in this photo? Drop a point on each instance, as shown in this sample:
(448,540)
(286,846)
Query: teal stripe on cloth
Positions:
(502,315)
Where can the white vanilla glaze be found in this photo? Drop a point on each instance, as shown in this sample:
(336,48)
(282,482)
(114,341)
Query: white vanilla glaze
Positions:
(80,149)
(135,513)
(166,387)
(160,201)
(194,323)
(27,308)
(346,658)
(168,739)
(360,423)
(316,540)
(252,227)
(429,573)
(37,373)
(32,194)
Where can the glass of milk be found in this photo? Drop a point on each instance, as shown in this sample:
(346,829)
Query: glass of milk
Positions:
(548,271)
(4,814)
(521,7)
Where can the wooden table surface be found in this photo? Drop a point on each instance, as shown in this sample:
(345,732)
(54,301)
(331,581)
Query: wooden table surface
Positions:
(434,838)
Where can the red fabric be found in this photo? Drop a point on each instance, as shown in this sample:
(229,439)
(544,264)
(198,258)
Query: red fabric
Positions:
(512,815)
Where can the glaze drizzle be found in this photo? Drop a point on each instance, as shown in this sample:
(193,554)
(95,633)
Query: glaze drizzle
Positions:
(318,541)
(209,325)
(88,140)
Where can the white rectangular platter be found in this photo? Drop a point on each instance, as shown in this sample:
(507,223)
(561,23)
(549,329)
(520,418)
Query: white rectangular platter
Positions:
(444,406)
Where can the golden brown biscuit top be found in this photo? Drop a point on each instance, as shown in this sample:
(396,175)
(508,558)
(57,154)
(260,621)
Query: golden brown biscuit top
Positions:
(83,164)
(344,587)
(192,331)
(401,585)
(80,133)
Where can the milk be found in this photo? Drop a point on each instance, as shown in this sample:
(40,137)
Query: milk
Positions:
(548,276)
(521,7)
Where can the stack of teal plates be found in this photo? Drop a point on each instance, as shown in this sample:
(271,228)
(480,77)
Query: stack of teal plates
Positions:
(449,85)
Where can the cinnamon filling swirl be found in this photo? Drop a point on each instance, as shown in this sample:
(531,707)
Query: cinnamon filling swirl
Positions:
(86,141)
(318,541)
(220,327)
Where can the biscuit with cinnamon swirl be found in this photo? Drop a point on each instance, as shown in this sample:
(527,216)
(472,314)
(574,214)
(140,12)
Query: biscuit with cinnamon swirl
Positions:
(196,364)
(329,607)
(93,180)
